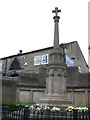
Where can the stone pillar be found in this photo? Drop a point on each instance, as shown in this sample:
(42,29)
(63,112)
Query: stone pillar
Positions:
(31,95)
(17,94)
(72,92)
(86,93)
(56,28)
(56,32)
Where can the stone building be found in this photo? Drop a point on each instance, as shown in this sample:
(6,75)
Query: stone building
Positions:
(24,75)
(30,62)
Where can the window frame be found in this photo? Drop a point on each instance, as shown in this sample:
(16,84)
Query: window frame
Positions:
(36,61)
(43,59)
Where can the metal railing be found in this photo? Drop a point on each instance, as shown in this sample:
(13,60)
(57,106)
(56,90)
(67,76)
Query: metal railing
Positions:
(27,114)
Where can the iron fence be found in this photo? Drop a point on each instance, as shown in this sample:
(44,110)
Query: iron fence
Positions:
(26,114)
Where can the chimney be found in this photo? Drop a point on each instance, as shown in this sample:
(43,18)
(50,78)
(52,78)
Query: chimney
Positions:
(20,52)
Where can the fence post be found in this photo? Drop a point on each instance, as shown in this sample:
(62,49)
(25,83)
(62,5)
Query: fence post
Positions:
(53,115)
(26,112)
(33,114)
(57,115)
(41,114)
(75,114)
(48,115)
(83,114)
(89,114)
(37,115)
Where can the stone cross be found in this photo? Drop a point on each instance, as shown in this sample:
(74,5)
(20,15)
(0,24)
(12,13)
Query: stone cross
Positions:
(56,11)
(56,28)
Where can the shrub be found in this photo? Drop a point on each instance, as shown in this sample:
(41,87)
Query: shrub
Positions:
(15,106)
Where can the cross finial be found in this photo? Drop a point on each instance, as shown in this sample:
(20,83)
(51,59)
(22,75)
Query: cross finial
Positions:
(56,11)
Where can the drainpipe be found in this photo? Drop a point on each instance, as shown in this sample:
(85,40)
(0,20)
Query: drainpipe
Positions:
(5,67)
(63,51)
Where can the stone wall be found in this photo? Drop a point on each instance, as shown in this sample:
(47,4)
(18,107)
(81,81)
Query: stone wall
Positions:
(12,93)
(30,95)
(80,96)
(8,91)
(30,87)
(72,76)
(34,95)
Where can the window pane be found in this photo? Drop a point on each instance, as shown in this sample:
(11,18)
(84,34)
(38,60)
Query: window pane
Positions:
(45,59)
(37,60)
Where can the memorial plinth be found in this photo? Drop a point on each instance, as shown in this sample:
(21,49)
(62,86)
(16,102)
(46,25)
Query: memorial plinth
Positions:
(55,94)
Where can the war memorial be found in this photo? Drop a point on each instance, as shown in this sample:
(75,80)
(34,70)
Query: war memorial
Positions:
(53,76)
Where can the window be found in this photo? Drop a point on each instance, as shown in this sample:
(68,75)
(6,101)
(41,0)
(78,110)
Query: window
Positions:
(41,60)
(45,59)
(37,60)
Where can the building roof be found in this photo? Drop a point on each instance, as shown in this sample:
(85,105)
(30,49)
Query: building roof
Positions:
(26,53)
(48,48)
(20,54)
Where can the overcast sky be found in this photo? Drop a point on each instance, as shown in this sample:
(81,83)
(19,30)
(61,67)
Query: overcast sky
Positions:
(28,24)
